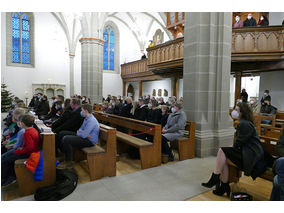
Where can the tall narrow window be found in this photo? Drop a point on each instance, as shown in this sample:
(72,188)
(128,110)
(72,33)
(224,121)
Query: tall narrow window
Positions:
(20,39)
(109,48)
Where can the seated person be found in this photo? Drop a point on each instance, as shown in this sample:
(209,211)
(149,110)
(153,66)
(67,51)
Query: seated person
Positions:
(250,21)
(141,111)
(53,111)
(246,152)
(9,142)
(267,108)
(265,95)
(31,144)
(67,110)
(86,136)
(174,128)
(58,111)
(255,107)
(165,115)
(125,111)
(72,124)
(154,113)
(238,22)
(277,193)
(43,107)
(161,101)
(263,21)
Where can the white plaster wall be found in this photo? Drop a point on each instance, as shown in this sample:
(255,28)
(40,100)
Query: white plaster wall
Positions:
(51,57)
(273,81)
(276,18)
(162,84)
(251,84)
(180,88)
(112,84)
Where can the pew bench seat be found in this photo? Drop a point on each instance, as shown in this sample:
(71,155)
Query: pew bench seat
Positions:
(131,140)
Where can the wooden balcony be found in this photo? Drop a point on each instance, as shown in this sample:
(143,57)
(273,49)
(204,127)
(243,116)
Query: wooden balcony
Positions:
(254,49)
(166,57)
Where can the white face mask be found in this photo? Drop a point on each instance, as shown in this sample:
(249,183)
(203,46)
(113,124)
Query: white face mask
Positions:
(261,18)
(237,19)
(251,102)
(265,94)
(235,114)
(239,101)
(249,17)
(173,110)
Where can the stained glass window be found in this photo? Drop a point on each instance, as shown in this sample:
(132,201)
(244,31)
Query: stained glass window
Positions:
(109,49)
(20,38)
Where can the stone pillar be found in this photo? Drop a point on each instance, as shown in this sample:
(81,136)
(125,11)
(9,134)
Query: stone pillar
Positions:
(92,69)
(71,56)
(206,93)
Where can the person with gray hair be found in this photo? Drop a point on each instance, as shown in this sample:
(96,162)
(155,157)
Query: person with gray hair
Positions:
(174,128)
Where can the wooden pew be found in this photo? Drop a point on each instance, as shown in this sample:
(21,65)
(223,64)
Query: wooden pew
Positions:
(102,157)
(269,138)
(97,107)
(150,153)
(186,144)
(25,178)
(279,120)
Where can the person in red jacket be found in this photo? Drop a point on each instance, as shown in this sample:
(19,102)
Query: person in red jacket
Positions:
(30,145)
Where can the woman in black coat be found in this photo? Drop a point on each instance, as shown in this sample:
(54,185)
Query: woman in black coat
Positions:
(246,152)
(155,113)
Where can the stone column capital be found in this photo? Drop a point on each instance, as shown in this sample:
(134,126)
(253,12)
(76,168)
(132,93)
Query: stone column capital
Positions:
(92,41)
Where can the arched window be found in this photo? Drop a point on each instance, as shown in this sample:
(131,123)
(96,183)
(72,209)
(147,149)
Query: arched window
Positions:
(20,39)
(109,48)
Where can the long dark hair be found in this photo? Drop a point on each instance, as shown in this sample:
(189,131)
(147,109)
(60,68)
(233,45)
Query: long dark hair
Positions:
(246,111)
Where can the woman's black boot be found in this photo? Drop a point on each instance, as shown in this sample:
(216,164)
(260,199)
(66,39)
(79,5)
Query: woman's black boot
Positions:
(214,180)
(223,188)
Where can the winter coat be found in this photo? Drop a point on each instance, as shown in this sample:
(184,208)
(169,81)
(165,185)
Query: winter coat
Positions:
(154,116)
(250,22)
(175,125)
(248,141)
(63,117)
(238,24)
(141,113)
(125,111)
(280,146)
(43,108)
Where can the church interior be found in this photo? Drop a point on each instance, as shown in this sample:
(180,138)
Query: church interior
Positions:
(200,59)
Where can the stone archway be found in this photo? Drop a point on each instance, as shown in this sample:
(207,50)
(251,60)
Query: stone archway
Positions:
(130,91)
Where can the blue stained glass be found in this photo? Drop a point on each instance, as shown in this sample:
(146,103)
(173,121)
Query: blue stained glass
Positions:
(16,34)
(16,45)
(25,35)
(25,25)
(16,57)
(111,37)
(105,50)
(25,58)
(15,15)
(26,47)
(15,22)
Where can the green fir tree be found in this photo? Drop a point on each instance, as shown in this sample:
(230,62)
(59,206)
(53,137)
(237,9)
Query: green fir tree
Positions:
(6,98)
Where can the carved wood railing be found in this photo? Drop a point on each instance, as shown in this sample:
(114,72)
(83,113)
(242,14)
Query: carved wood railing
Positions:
(258,43)
(249,44)
(166,54)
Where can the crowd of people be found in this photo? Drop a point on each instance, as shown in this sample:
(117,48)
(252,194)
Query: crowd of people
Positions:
(250,21)
(74,125)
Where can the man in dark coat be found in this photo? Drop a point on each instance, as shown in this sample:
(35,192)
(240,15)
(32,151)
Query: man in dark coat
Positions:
(43,107)
(125,110)
(250,21)
(72,124)
(265,95)
(141,112)
(244,96)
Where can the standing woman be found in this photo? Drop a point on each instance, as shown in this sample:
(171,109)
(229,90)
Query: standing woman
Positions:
(246,152)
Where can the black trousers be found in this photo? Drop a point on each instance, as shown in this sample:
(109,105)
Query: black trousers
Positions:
(69,141)
(166,149)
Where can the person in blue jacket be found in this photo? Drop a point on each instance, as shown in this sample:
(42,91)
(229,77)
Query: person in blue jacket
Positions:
(86,136)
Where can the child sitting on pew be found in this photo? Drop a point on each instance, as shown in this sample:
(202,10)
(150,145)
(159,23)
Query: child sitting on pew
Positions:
(31,144)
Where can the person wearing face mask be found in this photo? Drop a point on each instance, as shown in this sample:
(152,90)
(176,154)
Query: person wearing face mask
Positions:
(154,113)
(265,95)
(43,107)
(174,128)
(86,136)
(263,21)
(250,21)
(246,153)
(126,108)
(238,22)
(267,109)
(141,111)
(255,107)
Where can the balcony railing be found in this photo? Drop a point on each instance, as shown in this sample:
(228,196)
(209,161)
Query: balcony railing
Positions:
(258,43)
(249,44)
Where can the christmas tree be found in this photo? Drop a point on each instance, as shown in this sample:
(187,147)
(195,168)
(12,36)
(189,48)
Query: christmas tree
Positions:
(6,99)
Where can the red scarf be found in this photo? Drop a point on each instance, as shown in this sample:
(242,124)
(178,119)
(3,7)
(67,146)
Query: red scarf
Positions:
(260,22)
